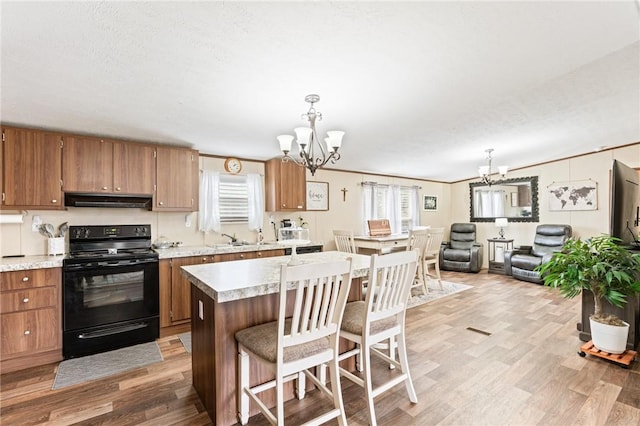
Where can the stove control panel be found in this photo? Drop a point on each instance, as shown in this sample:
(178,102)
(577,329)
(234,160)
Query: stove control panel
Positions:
(109,232)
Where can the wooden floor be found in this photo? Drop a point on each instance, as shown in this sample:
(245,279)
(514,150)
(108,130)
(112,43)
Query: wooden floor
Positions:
(526,372)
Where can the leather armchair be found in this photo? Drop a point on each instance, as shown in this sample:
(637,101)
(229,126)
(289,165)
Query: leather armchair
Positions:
(462,253)
(521,261)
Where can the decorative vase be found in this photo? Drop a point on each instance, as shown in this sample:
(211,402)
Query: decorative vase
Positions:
(609,338)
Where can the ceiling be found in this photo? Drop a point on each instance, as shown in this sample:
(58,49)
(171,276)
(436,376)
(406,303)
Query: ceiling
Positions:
(420,88)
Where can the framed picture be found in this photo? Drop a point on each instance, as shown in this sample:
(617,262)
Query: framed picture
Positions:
(574,195)
(430,203)
(317,195)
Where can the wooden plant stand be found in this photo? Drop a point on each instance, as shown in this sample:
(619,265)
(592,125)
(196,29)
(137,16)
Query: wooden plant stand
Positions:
(625,358)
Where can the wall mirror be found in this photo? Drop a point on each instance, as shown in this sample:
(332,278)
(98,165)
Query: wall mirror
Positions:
(515,199)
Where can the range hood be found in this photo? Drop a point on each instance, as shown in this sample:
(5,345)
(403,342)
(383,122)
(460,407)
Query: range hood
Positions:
(107,200)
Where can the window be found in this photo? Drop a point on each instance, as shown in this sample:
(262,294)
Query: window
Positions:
(230,199)
(234,199)
(399,204)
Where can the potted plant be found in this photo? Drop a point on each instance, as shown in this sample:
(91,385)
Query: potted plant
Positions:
(604,267)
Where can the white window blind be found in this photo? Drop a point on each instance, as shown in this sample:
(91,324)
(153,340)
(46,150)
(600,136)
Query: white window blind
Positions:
(234,199)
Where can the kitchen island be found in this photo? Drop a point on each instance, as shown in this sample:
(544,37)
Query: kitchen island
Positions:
(230,296)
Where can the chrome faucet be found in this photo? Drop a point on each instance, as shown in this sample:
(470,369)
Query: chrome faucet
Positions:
(233,239)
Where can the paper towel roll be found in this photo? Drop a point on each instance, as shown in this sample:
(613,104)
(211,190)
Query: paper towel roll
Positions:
(11,218)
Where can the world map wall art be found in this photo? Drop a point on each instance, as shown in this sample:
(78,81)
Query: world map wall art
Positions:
(574,195)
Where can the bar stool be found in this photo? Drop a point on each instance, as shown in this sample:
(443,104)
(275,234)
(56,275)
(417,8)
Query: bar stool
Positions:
(381,317)
(297,342)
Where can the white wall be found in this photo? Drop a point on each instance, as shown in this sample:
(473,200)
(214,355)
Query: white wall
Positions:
(453,206)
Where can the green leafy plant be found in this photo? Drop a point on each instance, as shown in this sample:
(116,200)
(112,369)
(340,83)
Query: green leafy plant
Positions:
(598,264)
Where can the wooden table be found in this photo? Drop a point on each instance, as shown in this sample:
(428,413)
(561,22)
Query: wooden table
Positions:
(367,244)
(230,296)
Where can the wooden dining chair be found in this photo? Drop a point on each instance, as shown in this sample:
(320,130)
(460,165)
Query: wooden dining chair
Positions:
(431,255)
(418,240)
(297,342)
(379,318)
(344,241)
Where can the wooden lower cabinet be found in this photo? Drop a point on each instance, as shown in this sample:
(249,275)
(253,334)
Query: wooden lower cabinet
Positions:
(175,289)
(175,294)
(30,318)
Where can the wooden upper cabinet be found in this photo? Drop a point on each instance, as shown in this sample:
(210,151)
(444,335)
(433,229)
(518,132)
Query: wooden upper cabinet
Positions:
(87,164)
(176,179)
(285,186)
(32,169)
(134,168)
(96,165)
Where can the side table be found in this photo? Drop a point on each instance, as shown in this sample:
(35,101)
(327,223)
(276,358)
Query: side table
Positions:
(497,247)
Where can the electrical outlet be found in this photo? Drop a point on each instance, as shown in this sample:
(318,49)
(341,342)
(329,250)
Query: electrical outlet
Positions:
(36,221)
(187,221)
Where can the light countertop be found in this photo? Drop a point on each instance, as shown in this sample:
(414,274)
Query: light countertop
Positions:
(227,281)
(30,262)
(43,261)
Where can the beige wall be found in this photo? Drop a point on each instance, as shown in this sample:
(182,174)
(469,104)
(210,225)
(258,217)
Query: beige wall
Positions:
(596,166)
(453,206)
(19,239)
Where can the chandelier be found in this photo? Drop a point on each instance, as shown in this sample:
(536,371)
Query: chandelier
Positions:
(486,171)
(308,143)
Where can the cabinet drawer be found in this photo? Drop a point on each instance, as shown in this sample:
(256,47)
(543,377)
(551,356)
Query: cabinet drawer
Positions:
(30,278)
(22,300)
(30,331)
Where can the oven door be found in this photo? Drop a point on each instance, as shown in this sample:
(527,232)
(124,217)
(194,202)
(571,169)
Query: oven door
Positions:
(100,293)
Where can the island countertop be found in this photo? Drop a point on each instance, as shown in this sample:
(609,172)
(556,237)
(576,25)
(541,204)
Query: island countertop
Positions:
(241,279)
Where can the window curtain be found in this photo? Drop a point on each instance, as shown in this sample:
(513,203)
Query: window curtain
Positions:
(208,214)
(385,202)
(489,203)
(394,209)
(256,201)
(414,199)
(368,203)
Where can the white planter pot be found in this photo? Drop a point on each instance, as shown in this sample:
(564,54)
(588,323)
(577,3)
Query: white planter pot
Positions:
(609,338)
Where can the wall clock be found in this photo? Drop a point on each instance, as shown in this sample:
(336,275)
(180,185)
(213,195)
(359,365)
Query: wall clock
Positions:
(232,165)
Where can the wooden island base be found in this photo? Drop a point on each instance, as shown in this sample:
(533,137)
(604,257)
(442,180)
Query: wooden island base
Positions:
(214,349)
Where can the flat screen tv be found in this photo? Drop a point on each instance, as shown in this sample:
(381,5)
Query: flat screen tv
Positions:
(625,204)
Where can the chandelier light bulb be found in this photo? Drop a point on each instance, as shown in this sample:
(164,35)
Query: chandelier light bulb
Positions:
(307,139)
(285,142)
(485,172)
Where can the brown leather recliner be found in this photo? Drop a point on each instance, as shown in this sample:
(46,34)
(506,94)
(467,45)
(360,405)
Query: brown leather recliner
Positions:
(462,253)
(521,261)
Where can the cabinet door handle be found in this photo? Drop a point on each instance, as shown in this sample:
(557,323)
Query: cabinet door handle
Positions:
(160,203)
(26,333)
(259,254)
(204,259)
(105,188)
(25,300)
(118,189)
(54,201)
(25,279)
(242,256)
